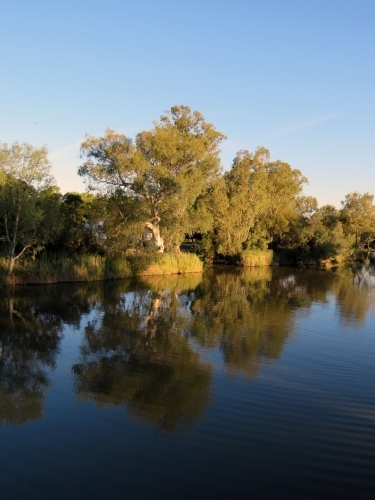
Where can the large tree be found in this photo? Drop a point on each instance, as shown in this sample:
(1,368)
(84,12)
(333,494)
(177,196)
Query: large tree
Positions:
(165,170)
(28,203)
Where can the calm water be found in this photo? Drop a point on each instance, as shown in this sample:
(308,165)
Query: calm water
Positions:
(230,385)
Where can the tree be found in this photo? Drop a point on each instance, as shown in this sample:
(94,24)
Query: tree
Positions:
(358,217)
(28,203)
(165,170)
(254,202)
(76,209)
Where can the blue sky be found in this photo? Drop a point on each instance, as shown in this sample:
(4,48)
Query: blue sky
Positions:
(295,76)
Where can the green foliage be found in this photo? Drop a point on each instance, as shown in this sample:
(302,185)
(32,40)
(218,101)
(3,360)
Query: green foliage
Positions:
(168,183)
(254,202)
(163,173)
(75,210)
(358,217)
(29,206)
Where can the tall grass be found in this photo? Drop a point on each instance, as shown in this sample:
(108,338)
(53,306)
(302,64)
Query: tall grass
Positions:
(178,263)
(257,258)
(76,268)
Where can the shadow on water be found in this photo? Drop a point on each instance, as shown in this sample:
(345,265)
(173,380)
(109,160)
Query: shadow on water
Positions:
(139,349)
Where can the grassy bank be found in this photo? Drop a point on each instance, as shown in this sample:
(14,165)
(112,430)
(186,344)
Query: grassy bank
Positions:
(84,268)
(257,258)
(179,263)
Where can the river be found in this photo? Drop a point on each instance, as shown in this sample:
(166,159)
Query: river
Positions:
(234,384)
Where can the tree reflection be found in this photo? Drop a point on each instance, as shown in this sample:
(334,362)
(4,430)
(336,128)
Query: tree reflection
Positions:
(141,347)
(31,326)
(29,343)
(355,295)
(250,314)
(244,315)
(137,355)
(352,288)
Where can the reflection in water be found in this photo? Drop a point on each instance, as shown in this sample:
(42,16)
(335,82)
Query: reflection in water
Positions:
(140,348)
(29,341)
(137,355)
(355,295)
(244,315)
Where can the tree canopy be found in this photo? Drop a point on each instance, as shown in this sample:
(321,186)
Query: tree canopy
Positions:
(29,204)
(165,170)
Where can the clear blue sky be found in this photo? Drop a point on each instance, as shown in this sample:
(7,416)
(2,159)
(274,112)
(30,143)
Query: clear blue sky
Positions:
(295,76)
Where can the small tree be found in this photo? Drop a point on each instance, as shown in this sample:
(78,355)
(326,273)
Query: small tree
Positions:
(358,217)
(28,203)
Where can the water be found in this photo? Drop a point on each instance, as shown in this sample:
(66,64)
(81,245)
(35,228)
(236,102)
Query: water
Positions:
(229,385)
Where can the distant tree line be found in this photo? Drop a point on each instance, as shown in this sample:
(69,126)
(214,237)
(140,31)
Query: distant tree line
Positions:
(169,181)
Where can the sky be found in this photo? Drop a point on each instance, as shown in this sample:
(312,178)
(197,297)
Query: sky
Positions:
(295,76)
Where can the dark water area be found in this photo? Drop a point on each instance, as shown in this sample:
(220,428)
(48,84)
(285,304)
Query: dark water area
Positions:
(235,384)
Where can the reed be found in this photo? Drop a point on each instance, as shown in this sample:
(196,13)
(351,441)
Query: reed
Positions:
(60,269)
(49,269)
(257,258)
(176,263)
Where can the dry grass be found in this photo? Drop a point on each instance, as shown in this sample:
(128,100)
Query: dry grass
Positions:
(179,263)
(58,269)
(257,258)
(84,268)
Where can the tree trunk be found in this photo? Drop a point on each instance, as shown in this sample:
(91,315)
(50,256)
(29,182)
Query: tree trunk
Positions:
(157,236)
(10,268)
(12,249)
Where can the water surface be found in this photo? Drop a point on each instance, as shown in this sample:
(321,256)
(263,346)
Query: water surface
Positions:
(232,384)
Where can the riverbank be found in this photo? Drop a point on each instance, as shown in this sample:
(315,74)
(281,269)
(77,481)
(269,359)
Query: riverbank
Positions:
(85,268)
(51,269)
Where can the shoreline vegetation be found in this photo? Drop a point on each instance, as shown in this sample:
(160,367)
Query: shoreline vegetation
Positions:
(162,204)
(54,269)
(87,268)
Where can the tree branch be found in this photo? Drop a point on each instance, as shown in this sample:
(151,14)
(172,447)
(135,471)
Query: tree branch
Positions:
(22,252)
